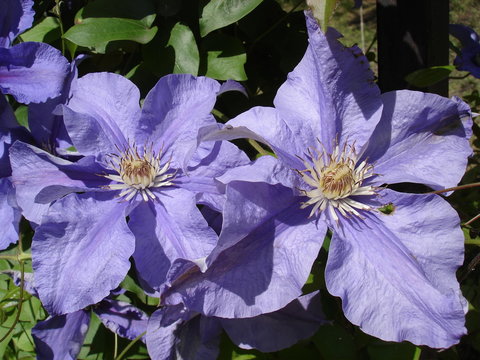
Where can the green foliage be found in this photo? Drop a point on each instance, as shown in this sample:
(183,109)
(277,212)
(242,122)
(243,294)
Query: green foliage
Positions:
(322,11)
(220,13)
(97,33)
(429,76)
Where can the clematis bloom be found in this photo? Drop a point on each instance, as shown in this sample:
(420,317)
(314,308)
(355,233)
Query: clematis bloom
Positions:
(469,57)
(137,163)
(30,71)
(338,142)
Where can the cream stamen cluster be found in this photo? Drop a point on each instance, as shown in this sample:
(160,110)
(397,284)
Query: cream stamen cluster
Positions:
(335,178)
(139,173)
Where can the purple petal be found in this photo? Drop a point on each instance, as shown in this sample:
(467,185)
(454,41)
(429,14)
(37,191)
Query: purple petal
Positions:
(46,126)
(265,254)
(10,214)
(297,321)
(174,110)
(232,85)
(396,273)
(32,72)
(109,103)
(265,169)
(262,124)
(122,318)
(40,178)
(174,334)
(331,94)
(422,138)
(165,231)
(81,251)
(61,337)
(211,160)
(16,17)
(467,36)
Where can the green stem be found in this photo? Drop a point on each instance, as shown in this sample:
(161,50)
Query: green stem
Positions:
(472,242)
(257,147)
(416,355)
(460,187)
(115,349)
(20,302)
(57,12)
(472,219)
(129,346)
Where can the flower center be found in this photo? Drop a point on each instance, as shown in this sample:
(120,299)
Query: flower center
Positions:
(333,179)
(139,173)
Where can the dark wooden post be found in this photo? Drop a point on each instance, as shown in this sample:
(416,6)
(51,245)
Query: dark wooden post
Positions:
(412,34)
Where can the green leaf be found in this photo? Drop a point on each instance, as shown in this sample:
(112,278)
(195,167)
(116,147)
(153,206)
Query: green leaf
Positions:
(187,58)
(143,10)
(96,33)
(225,58)
(219,13)
(47,30)
(429,76)
(322,11)
(21,113)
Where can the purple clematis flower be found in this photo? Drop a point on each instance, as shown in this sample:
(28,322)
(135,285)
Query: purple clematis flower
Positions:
(393,255)
(139,163)
(62,336)
(10,213)
(469,57)
(175,332)
(30,71)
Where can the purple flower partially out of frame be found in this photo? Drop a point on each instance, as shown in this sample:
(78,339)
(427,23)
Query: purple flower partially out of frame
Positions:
(10,213)
(30,71)
(393,256)
(138,163)
(62,336)
(174,332)
(469,57)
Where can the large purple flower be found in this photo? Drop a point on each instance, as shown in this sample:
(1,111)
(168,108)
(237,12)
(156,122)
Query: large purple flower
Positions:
(175,332)
(469,57)
(393,255)
(30,71)
(138,163)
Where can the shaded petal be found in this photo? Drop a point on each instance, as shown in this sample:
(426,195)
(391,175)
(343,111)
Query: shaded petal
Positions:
(81,251)
(265,169)
(265,254)
(211,159)
(261,124)
(40,178)
(113,102)
(232,85)
(396,273)
(422,138)
(165,231)
(15,18)
(175,333)
(32,72)
(331,94)
(467,36)
(173,111)
(46,125)
(122,318)
(10,214)
(297,321)
(61,337)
